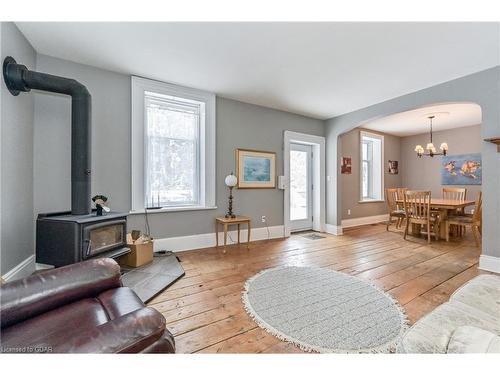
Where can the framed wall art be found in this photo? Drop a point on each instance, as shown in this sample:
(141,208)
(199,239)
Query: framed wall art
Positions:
(463,169)
(255,169)
(393,167)
(346,166)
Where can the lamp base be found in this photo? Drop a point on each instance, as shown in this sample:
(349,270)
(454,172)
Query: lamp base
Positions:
(230,205)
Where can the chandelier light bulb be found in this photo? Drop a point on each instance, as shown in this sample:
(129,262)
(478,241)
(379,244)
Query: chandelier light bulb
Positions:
(419,149)
(430,146)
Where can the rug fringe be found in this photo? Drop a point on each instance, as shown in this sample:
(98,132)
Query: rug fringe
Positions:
(387,348)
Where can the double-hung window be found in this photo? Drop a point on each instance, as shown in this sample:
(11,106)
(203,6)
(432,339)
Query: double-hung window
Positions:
(372,176)
(173,146)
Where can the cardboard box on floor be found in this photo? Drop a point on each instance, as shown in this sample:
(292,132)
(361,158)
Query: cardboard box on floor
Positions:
(141,252)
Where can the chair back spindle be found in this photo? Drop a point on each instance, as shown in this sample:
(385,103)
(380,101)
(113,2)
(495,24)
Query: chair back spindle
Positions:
(478,208)
(459,194)
(418,204)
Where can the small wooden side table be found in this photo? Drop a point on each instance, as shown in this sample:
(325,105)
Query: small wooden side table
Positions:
(226,222)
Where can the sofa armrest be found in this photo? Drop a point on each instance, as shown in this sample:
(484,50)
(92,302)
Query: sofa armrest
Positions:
(129,333)
(39,293)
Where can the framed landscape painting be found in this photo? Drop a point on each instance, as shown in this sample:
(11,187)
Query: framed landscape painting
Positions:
(463,169)
(255,169)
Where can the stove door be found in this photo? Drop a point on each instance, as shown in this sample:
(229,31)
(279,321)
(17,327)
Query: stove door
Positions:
(102,237)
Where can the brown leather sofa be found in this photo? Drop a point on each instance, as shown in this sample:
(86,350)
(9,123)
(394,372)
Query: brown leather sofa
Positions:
(81,308)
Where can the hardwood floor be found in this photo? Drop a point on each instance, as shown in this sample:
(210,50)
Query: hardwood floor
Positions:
(204,309)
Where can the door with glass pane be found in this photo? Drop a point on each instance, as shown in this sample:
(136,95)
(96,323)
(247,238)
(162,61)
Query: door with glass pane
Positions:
(300,187)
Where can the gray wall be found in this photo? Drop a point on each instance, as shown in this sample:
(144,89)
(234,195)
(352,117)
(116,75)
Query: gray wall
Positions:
(110,137)
(461,141)
(16,158)
(482,88)
(351,182)
(239,125)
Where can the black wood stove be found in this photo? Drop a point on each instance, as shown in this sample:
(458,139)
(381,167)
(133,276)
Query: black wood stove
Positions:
(65,238)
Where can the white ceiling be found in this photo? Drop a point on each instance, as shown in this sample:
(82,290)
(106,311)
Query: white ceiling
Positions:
(316,69)
(447,116)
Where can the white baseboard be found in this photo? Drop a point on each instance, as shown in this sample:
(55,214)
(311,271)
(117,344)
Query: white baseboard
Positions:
(348,223)
(23,269)
(334,229)
(489,263)
(199,241)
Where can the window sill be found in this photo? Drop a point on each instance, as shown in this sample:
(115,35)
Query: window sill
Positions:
(372,201)
(172,209)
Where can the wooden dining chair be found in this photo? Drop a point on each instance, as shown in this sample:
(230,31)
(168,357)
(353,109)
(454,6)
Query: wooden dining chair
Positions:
(474,221)
(459,194)
(396,210)
(417,205)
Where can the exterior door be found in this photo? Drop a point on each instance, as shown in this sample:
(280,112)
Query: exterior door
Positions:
(300,187)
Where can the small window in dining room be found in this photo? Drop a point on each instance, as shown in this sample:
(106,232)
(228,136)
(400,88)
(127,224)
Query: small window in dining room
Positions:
(372,176)
(173,146)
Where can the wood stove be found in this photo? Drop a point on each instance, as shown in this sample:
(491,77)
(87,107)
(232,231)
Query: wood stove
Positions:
(65,238)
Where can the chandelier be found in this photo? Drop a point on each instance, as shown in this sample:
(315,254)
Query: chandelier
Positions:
(431,149)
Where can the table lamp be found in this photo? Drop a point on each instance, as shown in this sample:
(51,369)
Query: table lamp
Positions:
(231,182)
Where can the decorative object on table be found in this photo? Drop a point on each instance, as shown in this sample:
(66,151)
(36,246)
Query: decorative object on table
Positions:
(463,169)
(100,204)
(255,169)
(325,311)
(393,167)
(226,222)
(431,149)
(346,166)
(230,182)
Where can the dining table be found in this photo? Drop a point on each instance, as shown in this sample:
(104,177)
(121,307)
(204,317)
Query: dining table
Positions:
(444,206)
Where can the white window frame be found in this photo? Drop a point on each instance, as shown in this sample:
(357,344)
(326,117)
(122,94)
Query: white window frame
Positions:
(381,198)
(207,146)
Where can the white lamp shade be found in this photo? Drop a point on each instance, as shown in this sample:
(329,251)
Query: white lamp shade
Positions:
(444,146)
(419,149)
(430,147)
(231,180)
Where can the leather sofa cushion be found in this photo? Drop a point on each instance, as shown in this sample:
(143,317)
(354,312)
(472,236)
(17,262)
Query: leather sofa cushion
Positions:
(474,304)
(48,290)
(483,294)
(120,301)
(57,326)
(467,339)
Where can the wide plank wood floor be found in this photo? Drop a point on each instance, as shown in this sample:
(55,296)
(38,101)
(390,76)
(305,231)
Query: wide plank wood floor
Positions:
(204,309)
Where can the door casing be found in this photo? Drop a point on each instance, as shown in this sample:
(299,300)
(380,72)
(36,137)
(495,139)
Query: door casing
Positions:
(319,179)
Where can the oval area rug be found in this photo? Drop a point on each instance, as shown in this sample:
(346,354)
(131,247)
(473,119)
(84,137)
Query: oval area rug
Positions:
(325,311)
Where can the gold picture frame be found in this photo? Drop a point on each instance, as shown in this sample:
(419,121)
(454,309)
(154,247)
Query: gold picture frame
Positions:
(255,169)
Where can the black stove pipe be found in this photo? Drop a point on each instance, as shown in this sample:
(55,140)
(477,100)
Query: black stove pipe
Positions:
(19,78)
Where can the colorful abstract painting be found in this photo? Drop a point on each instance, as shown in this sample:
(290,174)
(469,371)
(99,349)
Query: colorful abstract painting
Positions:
(463,169)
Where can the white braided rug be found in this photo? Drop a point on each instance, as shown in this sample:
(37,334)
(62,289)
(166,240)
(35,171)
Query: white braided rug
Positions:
(325,311)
